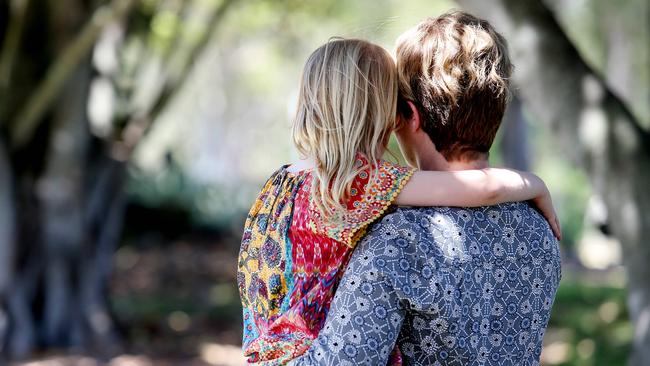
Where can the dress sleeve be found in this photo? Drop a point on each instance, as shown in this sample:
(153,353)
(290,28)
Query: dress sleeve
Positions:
(374,189)
(364,321)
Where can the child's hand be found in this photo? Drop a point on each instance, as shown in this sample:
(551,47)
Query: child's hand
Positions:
(545,206)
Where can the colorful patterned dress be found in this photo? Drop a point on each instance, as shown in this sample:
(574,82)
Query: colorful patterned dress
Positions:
(291,261)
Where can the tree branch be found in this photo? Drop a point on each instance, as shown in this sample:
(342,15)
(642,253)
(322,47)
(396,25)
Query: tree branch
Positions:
(140,123)
(18,10)
(30,115)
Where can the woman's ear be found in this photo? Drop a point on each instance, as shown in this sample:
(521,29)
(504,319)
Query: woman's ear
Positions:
(413,121)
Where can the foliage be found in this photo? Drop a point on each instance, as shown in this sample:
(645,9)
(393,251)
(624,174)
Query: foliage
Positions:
(589,325)
(204,96)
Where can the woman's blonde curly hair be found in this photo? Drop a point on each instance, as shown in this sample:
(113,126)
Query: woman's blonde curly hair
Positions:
(346,108)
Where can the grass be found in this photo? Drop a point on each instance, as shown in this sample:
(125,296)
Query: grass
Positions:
(589,326)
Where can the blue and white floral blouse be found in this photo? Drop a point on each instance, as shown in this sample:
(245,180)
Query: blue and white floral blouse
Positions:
(449,286)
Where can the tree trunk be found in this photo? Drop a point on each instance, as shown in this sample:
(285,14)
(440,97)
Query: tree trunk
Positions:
(104,214)
(61,188)
(7,238)
(60,195)
(514,138)
(594,127)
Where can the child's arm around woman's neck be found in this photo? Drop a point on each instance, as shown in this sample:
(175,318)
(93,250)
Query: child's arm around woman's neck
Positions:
(478,187)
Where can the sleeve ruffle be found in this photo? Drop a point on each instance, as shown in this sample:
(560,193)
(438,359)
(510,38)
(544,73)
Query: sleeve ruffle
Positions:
(368,202)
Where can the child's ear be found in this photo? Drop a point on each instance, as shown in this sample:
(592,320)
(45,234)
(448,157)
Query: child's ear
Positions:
(413,121)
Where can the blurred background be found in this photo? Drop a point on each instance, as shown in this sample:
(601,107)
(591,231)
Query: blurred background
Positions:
(135,134)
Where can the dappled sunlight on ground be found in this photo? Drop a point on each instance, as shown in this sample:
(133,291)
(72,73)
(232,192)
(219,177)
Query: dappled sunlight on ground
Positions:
(222,355)
(555,353)
(174,303)
(589,324)
(211,354)
(178,305)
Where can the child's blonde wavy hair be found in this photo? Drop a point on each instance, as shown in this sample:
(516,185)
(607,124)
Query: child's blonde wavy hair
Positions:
(346,106)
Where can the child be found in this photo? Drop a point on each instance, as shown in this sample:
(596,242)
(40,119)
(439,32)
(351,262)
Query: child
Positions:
(309,215)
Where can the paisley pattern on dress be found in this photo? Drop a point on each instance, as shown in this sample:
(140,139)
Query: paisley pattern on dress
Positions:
(291,260)
(366,204)
(449,286)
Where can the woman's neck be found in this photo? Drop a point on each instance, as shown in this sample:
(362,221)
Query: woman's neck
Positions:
(433,163)
(468,165)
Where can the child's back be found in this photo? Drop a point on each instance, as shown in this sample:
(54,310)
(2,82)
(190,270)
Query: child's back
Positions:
(291,260)
(300,231)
